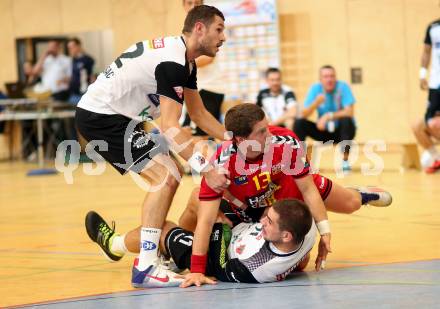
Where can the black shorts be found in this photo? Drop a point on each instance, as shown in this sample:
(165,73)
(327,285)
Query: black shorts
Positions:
(178,243)
(433,104)
(129,146)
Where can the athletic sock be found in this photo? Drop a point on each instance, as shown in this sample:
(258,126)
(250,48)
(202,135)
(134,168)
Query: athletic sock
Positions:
(149,246)
(118,245)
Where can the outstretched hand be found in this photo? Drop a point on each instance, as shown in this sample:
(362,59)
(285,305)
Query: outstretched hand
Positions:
(323,250)
(197,279)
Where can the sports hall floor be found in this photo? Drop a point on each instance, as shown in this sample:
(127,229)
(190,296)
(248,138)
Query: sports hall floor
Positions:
(382,257)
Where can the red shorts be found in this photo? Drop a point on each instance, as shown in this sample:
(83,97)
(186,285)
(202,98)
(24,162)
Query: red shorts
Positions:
(323,184)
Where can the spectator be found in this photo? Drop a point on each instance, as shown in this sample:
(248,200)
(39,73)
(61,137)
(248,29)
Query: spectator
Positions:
(428,129)
(334,102)
(278,101)
(82,70)
(55,70)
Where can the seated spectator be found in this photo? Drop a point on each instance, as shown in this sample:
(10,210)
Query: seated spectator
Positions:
(55,69)
(82,70)
(427,130)
(278,101)
(334,102)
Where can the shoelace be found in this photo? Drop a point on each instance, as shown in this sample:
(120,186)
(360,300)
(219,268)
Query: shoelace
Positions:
(106,232)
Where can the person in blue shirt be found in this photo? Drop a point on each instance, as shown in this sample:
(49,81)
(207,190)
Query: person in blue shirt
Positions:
(334,103)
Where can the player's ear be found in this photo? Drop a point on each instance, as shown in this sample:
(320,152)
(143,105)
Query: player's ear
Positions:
(287,236)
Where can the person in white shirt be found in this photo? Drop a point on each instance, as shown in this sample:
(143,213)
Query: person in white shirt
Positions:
(55,70)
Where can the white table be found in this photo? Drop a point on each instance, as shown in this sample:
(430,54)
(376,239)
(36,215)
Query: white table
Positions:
(38,115)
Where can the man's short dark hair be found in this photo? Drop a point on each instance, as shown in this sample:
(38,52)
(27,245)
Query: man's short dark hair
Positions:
(327,66)
(241,118)
(294,217)
(201,13)
(272,70)
(75,40)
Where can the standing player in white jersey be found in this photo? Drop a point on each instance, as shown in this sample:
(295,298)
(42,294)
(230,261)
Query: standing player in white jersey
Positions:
(428,129)
(150,79)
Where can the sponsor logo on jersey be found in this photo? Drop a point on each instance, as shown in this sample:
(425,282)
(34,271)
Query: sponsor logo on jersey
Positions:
(148,245)
(240,249)
(265,199)
(179,91)
(158,43)
(240,180)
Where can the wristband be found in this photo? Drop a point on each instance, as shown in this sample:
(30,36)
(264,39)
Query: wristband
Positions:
(423,73)
(198,162)
(323,227)
(198,263)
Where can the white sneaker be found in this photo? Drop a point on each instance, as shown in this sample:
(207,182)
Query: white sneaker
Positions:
(384,198)
(154,276)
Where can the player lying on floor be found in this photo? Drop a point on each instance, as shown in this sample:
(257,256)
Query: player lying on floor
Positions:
(251,252)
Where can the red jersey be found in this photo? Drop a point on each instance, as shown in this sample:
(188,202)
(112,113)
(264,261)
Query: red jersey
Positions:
(270,177)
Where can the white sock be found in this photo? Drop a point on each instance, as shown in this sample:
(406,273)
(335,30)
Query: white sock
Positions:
(433,152)
(118,245)
(149,246)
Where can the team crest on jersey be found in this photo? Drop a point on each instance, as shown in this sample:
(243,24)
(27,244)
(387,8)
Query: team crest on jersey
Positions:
(158,43)
(240,180)
(179,91)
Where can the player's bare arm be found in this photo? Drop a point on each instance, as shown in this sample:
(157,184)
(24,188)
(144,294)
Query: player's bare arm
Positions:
(206,217)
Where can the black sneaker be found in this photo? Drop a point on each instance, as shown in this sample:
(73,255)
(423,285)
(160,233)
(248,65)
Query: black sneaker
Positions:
(101,233)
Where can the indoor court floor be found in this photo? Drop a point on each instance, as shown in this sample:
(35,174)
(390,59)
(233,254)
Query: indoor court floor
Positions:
(382,257)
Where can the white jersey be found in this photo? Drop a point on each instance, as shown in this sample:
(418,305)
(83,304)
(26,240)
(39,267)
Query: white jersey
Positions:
(261,258)
(132,84)
(432,38)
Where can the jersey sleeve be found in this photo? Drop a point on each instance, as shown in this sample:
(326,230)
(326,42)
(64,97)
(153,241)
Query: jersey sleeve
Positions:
(192,80)
(427,40)
(311,95)
(290,143)
(290,99)
(171,78)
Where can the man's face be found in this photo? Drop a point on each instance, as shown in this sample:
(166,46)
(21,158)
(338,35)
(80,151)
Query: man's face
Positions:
(271,229)
(211,37)
(74,49)
(189,4)
(256,142)
(327,77)
(274,81)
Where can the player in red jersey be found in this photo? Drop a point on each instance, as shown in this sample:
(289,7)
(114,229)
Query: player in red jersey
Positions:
(264,164)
